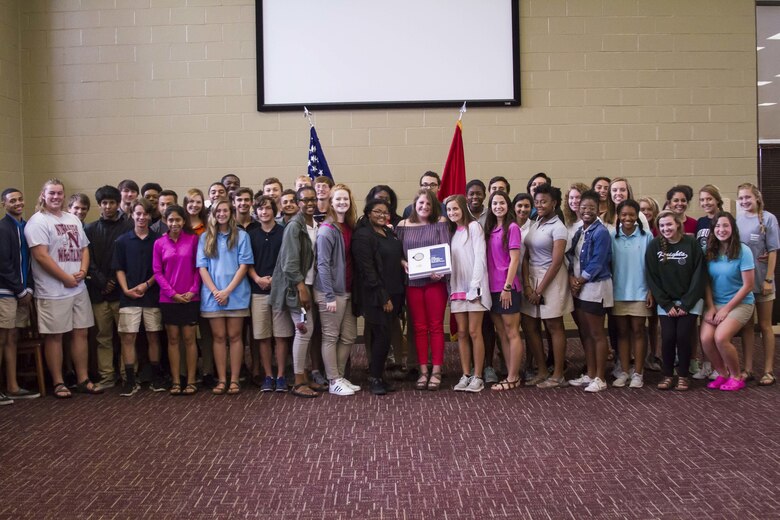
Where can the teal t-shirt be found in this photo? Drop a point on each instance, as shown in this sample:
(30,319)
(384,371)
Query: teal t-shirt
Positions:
(726,276)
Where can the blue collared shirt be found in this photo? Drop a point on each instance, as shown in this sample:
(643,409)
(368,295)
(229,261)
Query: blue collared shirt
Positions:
(222,269)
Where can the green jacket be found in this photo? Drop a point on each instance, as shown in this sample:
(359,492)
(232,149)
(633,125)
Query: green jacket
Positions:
(295,259)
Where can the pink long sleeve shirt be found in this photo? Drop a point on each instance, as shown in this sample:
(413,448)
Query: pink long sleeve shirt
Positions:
(174,267)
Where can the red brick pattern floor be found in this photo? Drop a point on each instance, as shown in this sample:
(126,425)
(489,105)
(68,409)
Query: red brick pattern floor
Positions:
(526,453)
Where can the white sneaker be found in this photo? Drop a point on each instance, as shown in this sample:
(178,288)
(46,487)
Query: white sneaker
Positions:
(703,372)
(475,385)
(714,375)
(339,387)
(621,380)
(583,380)
(462,384)
(597,385)
(350,384)
(637,381)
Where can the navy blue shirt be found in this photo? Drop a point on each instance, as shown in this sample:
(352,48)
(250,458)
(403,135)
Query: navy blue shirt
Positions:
(265,248)
(133,255)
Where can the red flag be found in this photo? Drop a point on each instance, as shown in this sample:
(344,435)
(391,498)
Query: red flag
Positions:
(453,178)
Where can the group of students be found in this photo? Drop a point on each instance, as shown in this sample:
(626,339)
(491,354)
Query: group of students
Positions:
(303,267)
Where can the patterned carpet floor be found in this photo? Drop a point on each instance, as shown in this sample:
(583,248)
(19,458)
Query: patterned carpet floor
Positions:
(526,453)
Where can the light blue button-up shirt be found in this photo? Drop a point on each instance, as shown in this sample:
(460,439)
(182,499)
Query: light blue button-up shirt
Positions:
(222,269)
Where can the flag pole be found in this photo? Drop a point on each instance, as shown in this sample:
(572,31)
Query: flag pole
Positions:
(307,115)
(462,111)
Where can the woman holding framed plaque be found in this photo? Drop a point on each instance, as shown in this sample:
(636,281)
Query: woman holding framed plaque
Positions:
(427,296)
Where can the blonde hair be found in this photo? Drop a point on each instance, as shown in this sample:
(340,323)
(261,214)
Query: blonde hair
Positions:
(654,206)
(41,204)
(759,203)
(351,216)
(714,192)
(210,247)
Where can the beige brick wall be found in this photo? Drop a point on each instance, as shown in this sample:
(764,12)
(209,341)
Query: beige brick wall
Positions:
(660,91)
(10,97)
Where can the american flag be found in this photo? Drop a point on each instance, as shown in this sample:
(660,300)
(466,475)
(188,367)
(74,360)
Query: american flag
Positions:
(317,163)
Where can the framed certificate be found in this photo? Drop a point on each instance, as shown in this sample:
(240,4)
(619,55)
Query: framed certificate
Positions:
(425,261)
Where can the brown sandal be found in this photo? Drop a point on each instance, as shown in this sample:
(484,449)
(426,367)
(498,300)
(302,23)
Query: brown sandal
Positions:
(767,379)
(234,389)
(422,382)
(666,383)
(683,384)
(220,389)
(435,381)
(506,385)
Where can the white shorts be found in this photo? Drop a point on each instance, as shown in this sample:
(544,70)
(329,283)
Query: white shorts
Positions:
(130,319)
(61,316)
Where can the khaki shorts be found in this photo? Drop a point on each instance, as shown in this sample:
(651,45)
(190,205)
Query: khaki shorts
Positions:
(13,315)
(764,297)
(635,308)
(130,319)
(267,322)
(61,316)
(742,313)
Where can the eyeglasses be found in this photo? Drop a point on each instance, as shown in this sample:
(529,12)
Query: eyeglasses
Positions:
(309,200)
(429,185)
(380,213)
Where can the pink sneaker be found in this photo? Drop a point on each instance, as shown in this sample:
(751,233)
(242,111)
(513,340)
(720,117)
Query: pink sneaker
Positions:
(717,383)
(733,385)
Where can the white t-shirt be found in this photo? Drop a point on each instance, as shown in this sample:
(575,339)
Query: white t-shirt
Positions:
(64,238)
(312,230)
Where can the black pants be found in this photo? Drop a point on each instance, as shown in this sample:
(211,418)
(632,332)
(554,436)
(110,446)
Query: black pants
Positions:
(379,326)
(380,346)
(676,340)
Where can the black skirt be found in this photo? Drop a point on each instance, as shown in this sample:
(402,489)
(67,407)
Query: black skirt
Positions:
(180,314)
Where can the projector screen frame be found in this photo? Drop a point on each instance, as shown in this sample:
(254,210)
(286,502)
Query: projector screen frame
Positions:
(262,106)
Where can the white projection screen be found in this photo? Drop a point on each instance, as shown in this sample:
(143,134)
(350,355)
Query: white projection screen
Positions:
(382,54)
